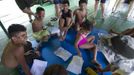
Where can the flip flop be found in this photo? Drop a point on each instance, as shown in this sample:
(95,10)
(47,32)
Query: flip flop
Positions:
(54,19)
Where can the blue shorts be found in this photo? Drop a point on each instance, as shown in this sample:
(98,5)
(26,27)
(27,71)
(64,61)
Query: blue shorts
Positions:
(102,1)
(58,1)
(127,1)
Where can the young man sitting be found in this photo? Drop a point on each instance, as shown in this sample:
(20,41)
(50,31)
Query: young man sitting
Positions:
(65,21)
(80,14)
(39,33)
(13,55)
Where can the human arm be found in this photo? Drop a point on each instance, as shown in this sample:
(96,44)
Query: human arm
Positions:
(33,28)
(128,32)
(79,17)
(77,42)
(71,22)
(19,55)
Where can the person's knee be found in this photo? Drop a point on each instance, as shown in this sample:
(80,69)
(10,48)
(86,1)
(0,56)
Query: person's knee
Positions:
(62,20)
(69,19)
(94,47)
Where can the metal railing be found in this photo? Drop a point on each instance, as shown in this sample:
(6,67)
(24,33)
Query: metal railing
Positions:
(4,29)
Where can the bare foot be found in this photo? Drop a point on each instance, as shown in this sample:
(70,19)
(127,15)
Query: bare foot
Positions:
(96,63)
(62,38)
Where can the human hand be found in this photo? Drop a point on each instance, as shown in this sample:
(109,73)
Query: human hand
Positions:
(27,53)
(37,52)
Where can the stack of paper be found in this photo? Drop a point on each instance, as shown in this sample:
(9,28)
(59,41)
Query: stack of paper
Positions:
(62,53)
(38,67)
(76,65)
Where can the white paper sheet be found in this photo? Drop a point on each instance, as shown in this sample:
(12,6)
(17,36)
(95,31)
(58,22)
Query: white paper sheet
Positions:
(76,65)
(53,30)
(62,53)
(38,67)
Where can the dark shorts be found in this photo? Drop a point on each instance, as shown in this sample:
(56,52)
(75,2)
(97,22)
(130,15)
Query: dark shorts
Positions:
(127,1)
(58,1)
(102,1)
(65,16)
(24,3)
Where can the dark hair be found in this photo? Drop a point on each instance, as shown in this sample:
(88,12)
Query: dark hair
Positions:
(55,69)
(66,2)
(82,1)
(38,9)
(87,25)
(15,28)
